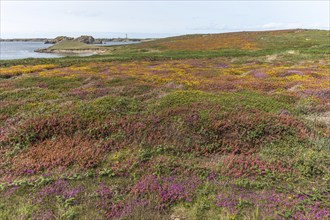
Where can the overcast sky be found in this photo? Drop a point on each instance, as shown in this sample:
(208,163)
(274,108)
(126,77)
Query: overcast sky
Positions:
(156,18)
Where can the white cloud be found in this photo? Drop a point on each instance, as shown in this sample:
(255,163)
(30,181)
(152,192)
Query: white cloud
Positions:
(279,25)
(182,17)
(272,25)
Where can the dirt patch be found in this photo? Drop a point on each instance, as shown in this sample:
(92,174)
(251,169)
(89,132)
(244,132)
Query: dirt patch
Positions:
(259,74)
(321,118)
(270,58)
(295,88)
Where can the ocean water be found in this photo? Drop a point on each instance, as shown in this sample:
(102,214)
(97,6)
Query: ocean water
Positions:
(21,50)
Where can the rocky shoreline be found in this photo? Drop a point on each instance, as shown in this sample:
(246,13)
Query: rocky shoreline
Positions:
(70,51)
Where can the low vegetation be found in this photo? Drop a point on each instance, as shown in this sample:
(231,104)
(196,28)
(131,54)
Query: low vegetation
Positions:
(229,126)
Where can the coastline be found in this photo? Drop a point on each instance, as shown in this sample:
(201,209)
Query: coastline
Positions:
(36,48)
(72,51)
(98,39)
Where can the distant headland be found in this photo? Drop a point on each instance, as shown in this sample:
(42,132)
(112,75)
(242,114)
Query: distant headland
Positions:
(84,38)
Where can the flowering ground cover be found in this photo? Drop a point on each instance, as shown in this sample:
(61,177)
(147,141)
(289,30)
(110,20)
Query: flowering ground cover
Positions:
(171,129)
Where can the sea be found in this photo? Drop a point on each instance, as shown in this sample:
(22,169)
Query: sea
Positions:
(20,50)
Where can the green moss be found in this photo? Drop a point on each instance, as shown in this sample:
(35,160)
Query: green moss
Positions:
(121,81)
(106,106)
(307,156)
(226,101)
(52,83)
(18,206)
(32,94)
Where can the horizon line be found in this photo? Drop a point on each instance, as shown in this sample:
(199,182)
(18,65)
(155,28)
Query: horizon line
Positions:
(169,34)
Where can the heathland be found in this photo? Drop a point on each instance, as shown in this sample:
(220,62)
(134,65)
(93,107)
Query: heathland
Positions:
(220,126)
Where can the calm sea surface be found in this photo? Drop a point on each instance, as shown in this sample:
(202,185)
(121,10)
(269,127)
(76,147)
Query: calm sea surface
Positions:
(21,50)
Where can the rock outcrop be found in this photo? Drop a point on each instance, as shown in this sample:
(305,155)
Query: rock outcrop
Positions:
(88,40)
(57,40)
(98,41)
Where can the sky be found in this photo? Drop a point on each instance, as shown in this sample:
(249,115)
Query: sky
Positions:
(21,19)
